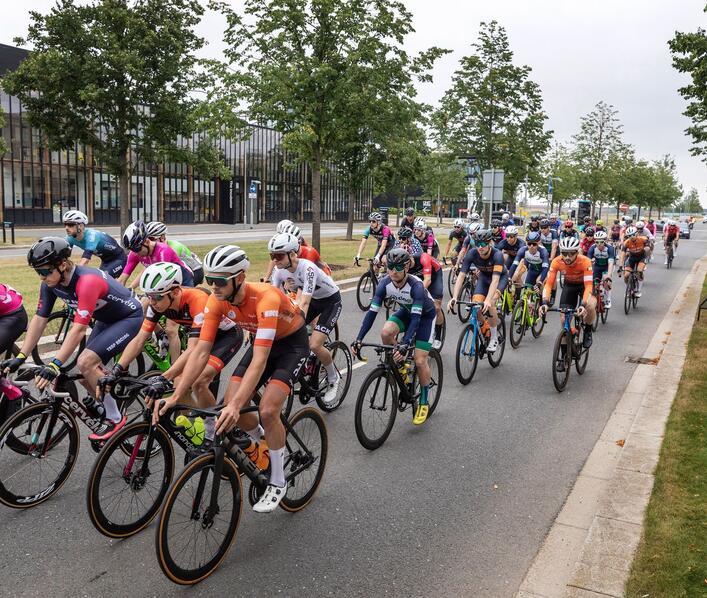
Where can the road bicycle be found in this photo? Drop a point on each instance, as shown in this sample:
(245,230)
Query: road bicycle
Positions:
(202,507)
(465,295)
(571,336)
(39,444)
(57,329)
(630,298)
(389,388)
(599,292)
(669,255)
(506,302)
(453,274)
(366,286)
(473,342)
(526,316)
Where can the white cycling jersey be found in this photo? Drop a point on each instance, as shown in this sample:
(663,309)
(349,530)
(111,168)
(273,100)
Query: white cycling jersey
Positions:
(308,277)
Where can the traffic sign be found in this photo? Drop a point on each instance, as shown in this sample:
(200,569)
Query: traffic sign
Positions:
(623,207)
(492,186)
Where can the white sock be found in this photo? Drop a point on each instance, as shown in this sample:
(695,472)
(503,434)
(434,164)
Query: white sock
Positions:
(277,467)
(331,372)
(210,427)
(494,333)
(640,285)
(608,295)
(112,411)
(256,433)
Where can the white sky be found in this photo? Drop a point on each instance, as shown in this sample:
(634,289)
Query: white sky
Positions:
(580,52)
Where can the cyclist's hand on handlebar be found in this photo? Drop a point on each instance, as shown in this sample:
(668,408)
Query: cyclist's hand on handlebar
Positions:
(376,260)
(48,373)
(227,419)
(488,304)
(356,349)
(158,386)
(357,259)
(162,407)
(10,366)
(581,311)
(400,352)
(543,309)
(451,304)
(107,381)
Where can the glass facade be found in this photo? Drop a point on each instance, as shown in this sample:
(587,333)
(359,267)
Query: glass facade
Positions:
(38,185)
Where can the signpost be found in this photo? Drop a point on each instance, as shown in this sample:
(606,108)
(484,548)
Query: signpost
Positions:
(492,191)
(251,208)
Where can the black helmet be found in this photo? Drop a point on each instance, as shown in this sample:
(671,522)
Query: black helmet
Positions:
(534,218)
(48,251)
(589,231)
(404,233)
(397,257)
(496,223)
(532,237)
(409,211)
(544,223)
(483,234)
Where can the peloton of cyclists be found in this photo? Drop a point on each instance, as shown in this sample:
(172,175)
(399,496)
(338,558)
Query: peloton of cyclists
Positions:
(94,242)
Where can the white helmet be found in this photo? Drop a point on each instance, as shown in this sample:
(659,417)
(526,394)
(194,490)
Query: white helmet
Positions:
(293,229)
(458,222)
(283,243)
(420,223)
(506,216)
(161,277)
(75,217)
(569,244)
(134,236)
(474,216)
(600,235)
(630,231)
(283,224)
(473,227)
(512,230)
(226,259)
(156,229)
(553,215)
(640,224)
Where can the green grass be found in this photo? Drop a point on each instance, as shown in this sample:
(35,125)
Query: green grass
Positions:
(672,557)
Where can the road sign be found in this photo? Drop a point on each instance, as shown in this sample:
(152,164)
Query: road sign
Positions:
(492,186)
(623,207)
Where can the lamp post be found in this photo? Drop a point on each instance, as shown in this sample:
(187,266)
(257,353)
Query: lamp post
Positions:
(550,188)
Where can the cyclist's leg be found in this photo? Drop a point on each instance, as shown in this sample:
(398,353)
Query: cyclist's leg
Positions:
(395,324)
(437,291)
(11,328)
(641,266)
(114,268)
(171,329)
(326,312)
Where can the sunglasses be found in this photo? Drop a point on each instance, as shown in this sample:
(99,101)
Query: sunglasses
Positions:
(532,244)
(44,271)
(568,253)
(511,236)
(156,297)
(569,226)
(482,243)
(397,267)
(277,256)
(219,281)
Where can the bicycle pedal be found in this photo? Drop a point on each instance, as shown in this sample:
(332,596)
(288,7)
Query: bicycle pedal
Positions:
(97,445)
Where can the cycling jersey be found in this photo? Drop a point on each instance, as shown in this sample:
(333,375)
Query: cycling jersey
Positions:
(510,249)
(161,253)
(428,241)
(651,227)
(310,253)
(10,300)
(578,273)
(12,326)
(408,223)
(636,246)
(602,257)
(90,293)
(548,239)
(537,263)
(616,231)
(586,244)
(380,235)
(459,235)
(498,235)
(468,243)
(413,246)
(493,264)
(308,277)
(645,233)
(265,311)
(189,313)
(672,233)
(96,242)
(191,260)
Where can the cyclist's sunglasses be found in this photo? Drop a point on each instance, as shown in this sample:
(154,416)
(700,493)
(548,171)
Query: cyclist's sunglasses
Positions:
(482,243)
(218,281)
(397,267)
(155,297)
(44,271)
(277,256)
(532,244)
(544,226)
(568,253)
(569,226)
(511,235)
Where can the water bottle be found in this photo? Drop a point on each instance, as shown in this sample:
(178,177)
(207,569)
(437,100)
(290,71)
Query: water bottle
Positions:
(257,452)
(194,431)
(94,407)
(405,372)
(10,390)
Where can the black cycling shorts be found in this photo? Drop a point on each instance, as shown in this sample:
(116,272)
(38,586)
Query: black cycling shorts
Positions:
(226,344)
(328,310)
(287,356)
(571,295)
(114,268)
(11,328)
(436,287)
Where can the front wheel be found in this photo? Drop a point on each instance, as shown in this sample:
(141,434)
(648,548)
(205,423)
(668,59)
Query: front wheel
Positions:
(452,279)
(562,360)
(627,295)
(518,323)
(376,408)
(467,355)
(364,291)
(582,354)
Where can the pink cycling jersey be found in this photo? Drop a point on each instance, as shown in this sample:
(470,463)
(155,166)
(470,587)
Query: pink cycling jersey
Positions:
(10,300)
(161,253)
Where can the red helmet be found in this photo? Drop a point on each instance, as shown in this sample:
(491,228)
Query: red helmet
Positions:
(569,223)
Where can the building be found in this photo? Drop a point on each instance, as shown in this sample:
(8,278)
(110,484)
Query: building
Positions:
(38,185)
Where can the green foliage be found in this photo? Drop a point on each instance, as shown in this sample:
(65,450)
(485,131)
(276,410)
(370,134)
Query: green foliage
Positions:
(494,111)
(690,204)
(559,166)
(442,176)
(690,56)
(117,75)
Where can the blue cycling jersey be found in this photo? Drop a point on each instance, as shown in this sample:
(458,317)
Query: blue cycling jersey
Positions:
(96,242)
(601,258)
(535,262)
(510,250)
(493,264)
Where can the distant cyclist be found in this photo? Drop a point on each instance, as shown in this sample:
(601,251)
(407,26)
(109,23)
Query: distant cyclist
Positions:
(383,235)
(94,242)
(408,219)
(456,236)
(157,231)
(426,237)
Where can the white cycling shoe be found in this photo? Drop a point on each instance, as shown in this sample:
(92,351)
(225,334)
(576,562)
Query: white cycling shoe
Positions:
(329,397)
(270,499)
(492,346)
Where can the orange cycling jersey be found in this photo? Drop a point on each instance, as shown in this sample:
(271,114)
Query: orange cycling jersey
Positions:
(576,273)
(636,245)
(308,252)
(265,310)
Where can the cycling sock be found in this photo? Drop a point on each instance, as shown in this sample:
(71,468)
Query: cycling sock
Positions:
(112,411)
(210,427)
(424,392)
(438,331)
(331,372)
(277,469)
(494,333)
(256,433)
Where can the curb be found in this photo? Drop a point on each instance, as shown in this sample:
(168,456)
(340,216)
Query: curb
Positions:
(590,547)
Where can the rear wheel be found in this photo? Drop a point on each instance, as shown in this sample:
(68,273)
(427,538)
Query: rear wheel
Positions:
(518,323)
(452,279)
(539,320)
(497,355)
(343,362)
(582,354)
(58,324)
(364,291)
(467,354)
(464,310)
(560,378)
(436,379)
(376,408)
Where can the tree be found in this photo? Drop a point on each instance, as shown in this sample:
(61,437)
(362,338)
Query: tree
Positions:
(494,111)
(667,190)
(690,56)
(116,75)
(690,204)
(558,167)
(442,176)
(296,64)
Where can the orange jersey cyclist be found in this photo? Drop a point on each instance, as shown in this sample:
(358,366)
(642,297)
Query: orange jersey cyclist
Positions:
(633,252)
(279,349)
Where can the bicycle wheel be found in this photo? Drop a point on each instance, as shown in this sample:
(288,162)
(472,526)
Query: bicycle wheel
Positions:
(634,297)
(560,379)
(307,448)
(436,379)
(600,311)
(376,408)
(31,476)
(191,539)
(343,363)
(452,279)
(464,311)
(125,491)
(582,354)
(56,329)
(496,357)
(518,323)
(539,321)
(604,313)
(627,295)
(364,291)
(467,355)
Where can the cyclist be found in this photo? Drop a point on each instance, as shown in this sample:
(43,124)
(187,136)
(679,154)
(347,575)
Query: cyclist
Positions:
(94,242)
(615,235)
(586,221)
(382,234)
(279,349)
(549,238)
(535,259)
(282,225)
(506,220)
(474,217)
(671,234)
(429,270)
(415,317)
(408,242)
(587,241)
(568,230)
(306,252)
(93,295)
(599,225)
(603,257)
(491,282)
(498,233)
(651,226)
(318,297)
(643,231)
(555,222)
(13,318)
(157,231)
(471,229)
(426,237)
(162,284)
(577,289)
(534,224)
(511,245)
(457,234)
(408,219)
(633,248)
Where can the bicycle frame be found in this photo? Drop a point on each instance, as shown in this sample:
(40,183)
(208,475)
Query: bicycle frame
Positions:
(386,362)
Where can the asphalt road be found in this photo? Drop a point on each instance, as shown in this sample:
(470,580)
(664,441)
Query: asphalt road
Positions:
(458,506)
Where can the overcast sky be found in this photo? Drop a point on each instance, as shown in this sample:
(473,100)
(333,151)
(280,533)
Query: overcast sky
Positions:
(580,52)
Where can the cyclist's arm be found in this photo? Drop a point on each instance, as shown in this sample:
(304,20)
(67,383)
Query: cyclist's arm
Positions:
(178,366)
(588,284)
(196,362)
(72,341)
(383,245)
(612,259)
(545,264)
(361,246)
(550,281)
(304,296)
(134,348)
(553,254)
(449,246)
(268,274)
(130,265)
(516,262)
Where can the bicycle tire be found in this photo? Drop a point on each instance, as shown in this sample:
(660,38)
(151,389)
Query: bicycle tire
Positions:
(389,405)
(230,479)
(107,524)
(634,298)
(296,456)
(580,362)
(538,324)
(464,311)
(70,363)
(24,418)
(518,323)
(339,350)
(496,357)
(452,280)
(560,379)
(364,296)
(597,316)
(627,295)
(604,314)
(465,351)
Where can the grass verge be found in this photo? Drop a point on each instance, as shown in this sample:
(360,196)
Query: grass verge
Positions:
(672,557)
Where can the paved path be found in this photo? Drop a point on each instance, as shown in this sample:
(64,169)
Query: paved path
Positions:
(458,507)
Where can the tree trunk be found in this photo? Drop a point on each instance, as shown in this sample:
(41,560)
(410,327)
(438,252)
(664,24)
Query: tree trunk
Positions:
(124,183)
(350,218)
(316,199)
(650,212)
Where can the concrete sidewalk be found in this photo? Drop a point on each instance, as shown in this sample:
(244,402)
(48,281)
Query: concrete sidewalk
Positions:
(590,548)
